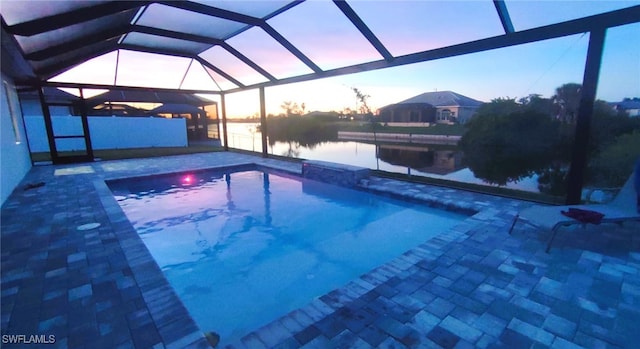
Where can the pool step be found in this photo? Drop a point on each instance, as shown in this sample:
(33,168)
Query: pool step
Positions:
(332,173)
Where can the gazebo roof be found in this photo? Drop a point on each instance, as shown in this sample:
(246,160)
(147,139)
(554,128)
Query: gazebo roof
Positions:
(176,108)
(147,96)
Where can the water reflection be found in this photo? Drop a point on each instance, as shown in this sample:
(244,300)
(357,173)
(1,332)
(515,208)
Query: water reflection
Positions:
(421,158)
(437,161)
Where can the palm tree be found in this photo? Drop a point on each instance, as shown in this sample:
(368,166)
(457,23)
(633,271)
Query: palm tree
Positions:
(567,101)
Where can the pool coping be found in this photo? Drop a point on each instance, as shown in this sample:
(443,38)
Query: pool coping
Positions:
(165,307)
(163,301)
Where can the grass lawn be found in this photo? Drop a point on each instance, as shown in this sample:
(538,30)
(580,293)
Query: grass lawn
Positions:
(117,154)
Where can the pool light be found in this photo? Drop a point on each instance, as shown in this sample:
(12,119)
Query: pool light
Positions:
(187,180)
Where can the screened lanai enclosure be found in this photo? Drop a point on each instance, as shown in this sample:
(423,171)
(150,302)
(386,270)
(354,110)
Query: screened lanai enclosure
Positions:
(220,49)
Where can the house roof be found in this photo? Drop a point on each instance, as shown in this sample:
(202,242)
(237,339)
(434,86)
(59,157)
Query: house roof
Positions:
(627,104)
(444,99)
(240,45)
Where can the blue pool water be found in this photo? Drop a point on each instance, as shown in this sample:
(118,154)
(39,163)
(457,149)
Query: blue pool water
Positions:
(242,249)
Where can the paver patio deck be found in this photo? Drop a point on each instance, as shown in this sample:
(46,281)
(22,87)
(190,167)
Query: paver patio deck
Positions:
(474,286)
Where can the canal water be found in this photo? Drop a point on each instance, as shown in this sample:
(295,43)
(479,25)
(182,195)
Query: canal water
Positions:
(415,159)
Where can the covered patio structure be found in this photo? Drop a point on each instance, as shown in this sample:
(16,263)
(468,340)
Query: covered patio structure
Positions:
(201,113)
(38,47)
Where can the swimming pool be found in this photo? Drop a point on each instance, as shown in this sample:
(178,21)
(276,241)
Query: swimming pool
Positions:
(244,248)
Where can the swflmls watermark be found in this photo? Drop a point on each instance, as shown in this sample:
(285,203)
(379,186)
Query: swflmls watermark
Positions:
(28,339)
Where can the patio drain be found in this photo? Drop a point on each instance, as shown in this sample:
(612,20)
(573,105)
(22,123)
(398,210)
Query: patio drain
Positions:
(88,226)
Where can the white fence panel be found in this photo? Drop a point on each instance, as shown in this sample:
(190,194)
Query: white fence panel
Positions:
(110,132)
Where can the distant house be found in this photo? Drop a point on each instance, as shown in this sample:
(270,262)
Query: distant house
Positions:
(445,107)
(631,106)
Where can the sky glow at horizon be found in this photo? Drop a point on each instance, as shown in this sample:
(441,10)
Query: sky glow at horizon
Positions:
(515,72)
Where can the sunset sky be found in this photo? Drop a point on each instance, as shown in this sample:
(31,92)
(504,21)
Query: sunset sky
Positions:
(405,27)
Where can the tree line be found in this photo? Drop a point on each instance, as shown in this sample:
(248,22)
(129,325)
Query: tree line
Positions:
(510,139)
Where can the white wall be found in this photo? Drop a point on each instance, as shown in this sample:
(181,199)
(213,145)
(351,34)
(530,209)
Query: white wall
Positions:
(108,132)
(14,153)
